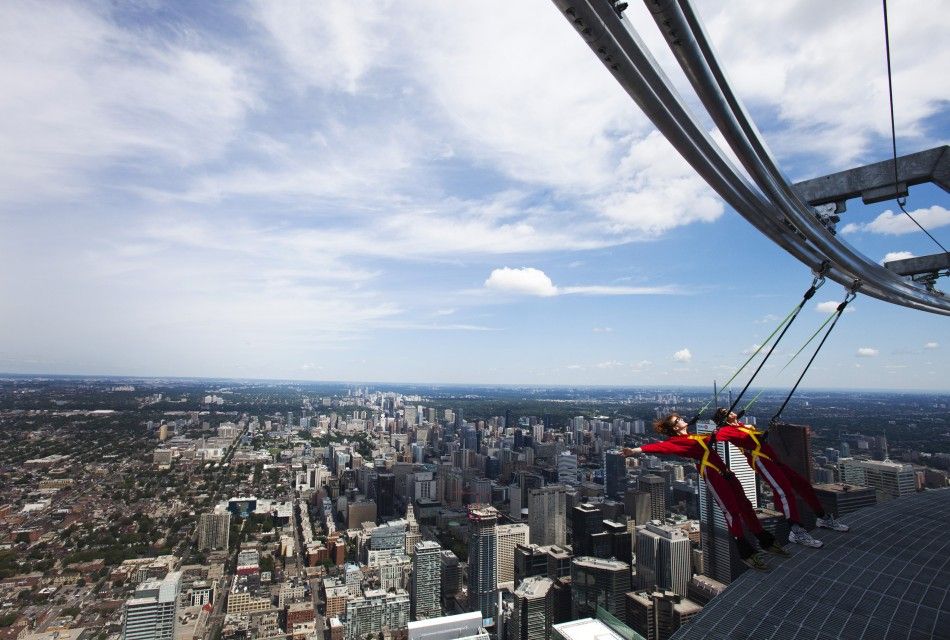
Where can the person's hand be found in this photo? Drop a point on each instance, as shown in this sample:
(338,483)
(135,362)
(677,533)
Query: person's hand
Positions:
(627,452)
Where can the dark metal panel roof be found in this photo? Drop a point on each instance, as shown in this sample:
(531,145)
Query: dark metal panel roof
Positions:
(888,578)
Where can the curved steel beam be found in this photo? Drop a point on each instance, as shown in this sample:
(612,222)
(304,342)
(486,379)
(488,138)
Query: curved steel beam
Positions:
(687,39)
(633,67)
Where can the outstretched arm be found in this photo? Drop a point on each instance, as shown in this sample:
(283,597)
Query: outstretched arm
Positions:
(627,451)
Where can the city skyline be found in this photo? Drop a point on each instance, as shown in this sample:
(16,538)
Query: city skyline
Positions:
(421,194)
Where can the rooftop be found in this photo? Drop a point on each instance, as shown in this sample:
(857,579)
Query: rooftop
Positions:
(888,578)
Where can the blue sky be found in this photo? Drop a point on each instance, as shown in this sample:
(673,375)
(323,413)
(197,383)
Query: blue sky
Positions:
(419,191)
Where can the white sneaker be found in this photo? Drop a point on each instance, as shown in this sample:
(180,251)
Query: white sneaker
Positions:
(829,522)
(799,536)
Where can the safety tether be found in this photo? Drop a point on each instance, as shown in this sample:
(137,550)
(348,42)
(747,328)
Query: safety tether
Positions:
(816,283)
(783,326)
(852,293)
(824,324)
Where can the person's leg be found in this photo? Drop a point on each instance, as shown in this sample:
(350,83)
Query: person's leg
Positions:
(747,511)
(801,486)
(724,495)
(774,474)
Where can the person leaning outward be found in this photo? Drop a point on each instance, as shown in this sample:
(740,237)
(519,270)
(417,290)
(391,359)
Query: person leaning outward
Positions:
(785,482)
(723,485)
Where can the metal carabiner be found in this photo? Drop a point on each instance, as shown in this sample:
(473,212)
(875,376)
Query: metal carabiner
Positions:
(819,278)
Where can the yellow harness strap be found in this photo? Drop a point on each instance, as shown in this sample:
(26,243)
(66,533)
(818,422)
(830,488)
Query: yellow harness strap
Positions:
(753,433)
(705,461)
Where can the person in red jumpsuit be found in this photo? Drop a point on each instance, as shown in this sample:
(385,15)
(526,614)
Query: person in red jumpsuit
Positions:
(723,485)
(785,482)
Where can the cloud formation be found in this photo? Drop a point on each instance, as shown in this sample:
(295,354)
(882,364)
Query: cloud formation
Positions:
(931,345)
(897,224)
(896,255)
(683,355)
(534,282)
(523,281)
(830,306)
(866,352)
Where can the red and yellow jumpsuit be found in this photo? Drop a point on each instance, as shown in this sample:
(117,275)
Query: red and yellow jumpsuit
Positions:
(785,482)
(724,487)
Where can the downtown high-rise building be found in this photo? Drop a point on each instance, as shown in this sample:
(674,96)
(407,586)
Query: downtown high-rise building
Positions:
(547,515)
(720,557)
(385,495)
(586,521)
(890,479)
(412,530)
(663,558)
(656,486)
(152,613)
(426,590)
(638,505)
(482,561)
(615,474)
(508,537)
(451,574)
(596,582)
(531,613)
(567,468)
(214,529)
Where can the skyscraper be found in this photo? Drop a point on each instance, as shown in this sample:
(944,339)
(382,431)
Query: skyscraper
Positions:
(509,536)
(547,515)
(656,487)
(412,529)
(792,443)
(213,529)
(531,615)
(615,542)
(152,613)
(567,468)
(840,499)
(598,583)
(451,574)
(615,474)
(427,580)
(638,505)
(586,520)
(720,557)
(663,558)
(482,561)
(891,479)
(385,495)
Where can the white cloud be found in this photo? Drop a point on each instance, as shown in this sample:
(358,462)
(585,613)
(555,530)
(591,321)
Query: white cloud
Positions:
(95,94)
(751,350)
(609,364)
(897,224)
(683,355)
(531,281)
(808,65)
(525,281)
(330,45)
(931,345)
(866,352)
(444,312)
(603,330)
(896,255)
(830,306)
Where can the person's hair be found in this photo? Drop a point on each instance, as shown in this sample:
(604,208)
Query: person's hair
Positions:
(721,415)
(664,426)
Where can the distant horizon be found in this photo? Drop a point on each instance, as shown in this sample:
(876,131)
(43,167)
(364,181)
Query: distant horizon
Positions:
(486,385)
